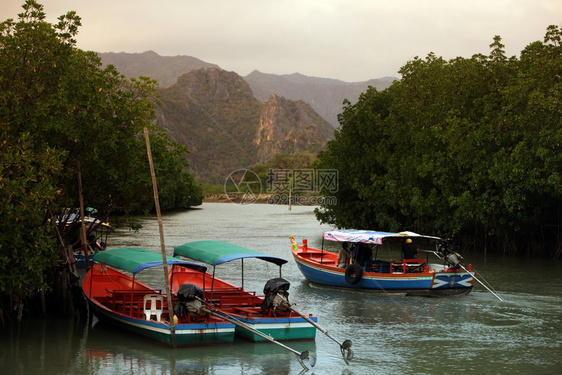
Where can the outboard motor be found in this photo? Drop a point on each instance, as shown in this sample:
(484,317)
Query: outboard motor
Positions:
(276,296)
(452,258)
(188,302)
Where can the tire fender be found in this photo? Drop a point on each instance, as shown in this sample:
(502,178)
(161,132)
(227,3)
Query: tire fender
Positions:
(353,274)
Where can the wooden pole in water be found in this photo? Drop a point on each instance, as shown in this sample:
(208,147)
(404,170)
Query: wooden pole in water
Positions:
(82,214)
(162,244)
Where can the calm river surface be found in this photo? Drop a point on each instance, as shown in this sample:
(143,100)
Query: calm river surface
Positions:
(474,334)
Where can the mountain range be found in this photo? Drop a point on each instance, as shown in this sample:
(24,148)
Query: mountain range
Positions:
(324,95)
(230,122)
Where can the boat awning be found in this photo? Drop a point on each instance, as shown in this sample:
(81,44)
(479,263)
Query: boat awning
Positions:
(135,260)
(369,236)
(217,252)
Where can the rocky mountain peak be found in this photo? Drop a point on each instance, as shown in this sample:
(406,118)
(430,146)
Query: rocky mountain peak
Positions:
(214,84)
(290,126)
(226,128)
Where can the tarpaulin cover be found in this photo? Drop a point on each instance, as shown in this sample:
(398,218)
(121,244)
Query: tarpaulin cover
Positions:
(271,288)
(217,252)
(368,236)
(188,292)
(275,285)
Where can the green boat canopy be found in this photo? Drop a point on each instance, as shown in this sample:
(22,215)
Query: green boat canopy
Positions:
(217,252)
(135,260)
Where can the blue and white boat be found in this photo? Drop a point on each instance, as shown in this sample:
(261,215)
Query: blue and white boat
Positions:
(407,275)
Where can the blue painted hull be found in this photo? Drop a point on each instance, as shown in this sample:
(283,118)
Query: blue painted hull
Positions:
(80,261)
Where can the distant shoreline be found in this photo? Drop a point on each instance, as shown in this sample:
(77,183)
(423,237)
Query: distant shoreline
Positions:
(235,198)
(278,199)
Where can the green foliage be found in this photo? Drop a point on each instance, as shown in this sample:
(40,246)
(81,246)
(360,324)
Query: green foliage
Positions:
(209,189)
(27,247)
(283,161)
(467,148)
(64,116)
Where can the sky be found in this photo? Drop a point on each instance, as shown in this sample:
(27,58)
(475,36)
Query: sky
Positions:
(349,40)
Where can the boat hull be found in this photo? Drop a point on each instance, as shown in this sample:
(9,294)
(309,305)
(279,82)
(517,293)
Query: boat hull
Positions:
(243,305)
(281,329)
(190,334)
(186,334)
(420,283)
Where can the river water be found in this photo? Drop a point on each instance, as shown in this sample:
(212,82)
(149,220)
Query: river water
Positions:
(474,334)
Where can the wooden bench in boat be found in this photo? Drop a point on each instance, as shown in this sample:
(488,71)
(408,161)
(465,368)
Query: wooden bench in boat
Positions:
(226,291)
(129,302)
(239,301)
(247,311)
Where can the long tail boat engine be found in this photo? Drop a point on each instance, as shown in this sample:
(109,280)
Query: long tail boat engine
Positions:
(189,302)
(276,296)
(447,253)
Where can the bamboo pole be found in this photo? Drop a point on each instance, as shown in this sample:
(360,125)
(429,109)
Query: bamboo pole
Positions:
(82,214)
(162,244)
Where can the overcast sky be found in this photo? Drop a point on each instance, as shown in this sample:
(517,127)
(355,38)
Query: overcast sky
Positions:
(350,40)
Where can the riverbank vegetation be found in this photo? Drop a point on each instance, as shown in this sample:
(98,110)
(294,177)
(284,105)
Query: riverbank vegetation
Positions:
(69,130)
(468,148)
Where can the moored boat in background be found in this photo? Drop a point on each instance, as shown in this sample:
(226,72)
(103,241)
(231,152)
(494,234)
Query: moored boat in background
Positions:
(408,275)
(96,230)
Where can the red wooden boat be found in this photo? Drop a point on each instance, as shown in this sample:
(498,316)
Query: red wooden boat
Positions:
(261,312)
(123,301)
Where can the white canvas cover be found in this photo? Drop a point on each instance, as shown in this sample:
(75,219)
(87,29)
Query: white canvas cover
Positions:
(367,236)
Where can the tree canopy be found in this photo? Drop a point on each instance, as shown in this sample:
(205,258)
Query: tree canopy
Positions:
(467,148)
(64,116)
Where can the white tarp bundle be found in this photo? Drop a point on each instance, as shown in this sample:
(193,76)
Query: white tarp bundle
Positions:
(367,236)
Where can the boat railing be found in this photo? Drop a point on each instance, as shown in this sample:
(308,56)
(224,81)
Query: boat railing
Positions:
(402,266)
(409,266)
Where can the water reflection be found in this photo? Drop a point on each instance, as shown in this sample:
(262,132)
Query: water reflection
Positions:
(43,347)
(108,348)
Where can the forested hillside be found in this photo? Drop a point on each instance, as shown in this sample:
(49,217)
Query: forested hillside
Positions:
(216,115)
(469,148)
